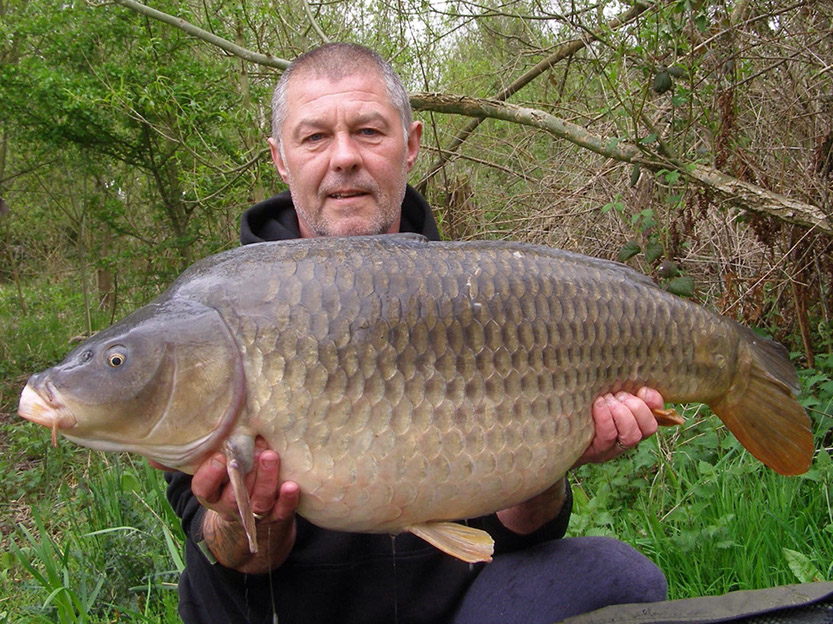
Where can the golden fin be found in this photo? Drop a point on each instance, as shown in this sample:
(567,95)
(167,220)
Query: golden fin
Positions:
(668,417)
(466,543)
(761,411)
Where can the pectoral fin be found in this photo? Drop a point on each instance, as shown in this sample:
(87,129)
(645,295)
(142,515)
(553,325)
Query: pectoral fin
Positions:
(240,453)
(466,543)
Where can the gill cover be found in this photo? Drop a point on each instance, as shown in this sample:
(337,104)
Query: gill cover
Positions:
(166,382)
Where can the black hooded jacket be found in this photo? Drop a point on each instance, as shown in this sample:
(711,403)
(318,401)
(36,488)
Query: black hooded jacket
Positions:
(332,576)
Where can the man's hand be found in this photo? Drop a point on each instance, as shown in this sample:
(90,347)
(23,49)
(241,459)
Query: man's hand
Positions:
(622,421)
(273,502)
(531,515)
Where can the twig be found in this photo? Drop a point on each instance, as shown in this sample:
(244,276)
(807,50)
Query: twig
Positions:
(223,44)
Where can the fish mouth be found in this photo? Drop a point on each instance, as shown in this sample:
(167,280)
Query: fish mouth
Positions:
(44,405)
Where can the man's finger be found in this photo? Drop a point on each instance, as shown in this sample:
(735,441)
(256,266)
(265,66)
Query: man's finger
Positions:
(207,482)
(606,432)
(653,399)
(626,410)
(642,415)
(266,484)
(290,496)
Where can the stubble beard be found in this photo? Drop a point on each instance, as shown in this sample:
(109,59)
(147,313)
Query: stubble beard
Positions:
(380,222)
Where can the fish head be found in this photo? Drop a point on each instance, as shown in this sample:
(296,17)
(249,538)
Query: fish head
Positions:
(166,382)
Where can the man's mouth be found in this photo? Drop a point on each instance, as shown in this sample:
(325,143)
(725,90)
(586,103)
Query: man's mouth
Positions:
(347,194)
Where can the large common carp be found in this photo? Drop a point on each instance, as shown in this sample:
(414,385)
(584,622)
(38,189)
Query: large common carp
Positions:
(408,383)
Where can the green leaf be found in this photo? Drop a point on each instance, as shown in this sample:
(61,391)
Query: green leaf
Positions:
(662,82)
(653,251)
(668,268)
(681,286)
(628,251)
(672,176)
(804,569)
(635,172)
(130,482)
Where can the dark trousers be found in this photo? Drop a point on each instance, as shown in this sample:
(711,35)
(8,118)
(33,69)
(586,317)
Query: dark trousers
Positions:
(559,579)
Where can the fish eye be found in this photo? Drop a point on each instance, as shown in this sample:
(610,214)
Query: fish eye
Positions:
(116,357)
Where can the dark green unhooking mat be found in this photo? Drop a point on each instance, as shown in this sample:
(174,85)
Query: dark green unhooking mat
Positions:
(811,603)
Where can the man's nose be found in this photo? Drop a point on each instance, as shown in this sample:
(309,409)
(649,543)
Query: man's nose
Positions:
(346,155)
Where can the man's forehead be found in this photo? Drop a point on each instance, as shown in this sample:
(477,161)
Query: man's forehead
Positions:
(314,95)
(310,80)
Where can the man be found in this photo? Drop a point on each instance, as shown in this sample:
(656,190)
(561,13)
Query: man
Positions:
(344,141)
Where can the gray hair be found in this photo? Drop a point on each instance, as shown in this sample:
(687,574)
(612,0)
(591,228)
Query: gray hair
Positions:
(335,61)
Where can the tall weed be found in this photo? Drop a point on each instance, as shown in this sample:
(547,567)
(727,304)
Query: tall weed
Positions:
(84,537)
(111,555)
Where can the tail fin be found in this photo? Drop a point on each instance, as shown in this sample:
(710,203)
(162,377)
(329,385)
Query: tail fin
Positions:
(760,408)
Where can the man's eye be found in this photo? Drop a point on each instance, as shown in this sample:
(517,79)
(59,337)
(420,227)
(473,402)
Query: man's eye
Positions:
(369,131)
(314,137)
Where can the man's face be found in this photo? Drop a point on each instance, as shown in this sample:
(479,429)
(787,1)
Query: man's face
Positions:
(345,155)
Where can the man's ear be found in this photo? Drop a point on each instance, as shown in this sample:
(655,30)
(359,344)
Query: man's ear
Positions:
(412,148)
(275,149)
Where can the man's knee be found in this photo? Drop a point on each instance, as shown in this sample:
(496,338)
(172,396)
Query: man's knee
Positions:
(561,578)
(622,573)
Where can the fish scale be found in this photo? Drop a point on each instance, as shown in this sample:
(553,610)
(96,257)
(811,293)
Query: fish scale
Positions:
(406,383)
(510,386)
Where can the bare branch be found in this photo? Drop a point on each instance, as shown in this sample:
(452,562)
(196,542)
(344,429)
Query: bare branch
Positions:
(314,23)
(743,194)
(562,52)
(224,44)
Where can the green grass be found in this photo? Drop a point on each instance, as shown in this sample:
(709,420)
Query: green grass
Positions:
(84,536)
(110,556)
(88,537)
(711,516)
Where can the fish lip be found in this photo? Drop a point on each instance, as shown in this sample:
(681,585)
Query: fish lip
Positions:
(43,404)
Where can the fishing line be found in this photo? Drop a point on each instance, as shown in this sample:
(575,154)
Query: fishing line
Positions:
(271,585)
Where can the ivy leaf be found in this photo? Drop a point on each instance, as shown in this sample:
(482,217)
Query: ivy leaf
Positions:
(681,286)
(628,251)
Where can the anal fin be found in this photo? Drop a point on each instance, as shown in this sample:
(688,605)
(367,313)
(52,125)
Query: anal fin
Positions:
(668,417)
(466,543)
